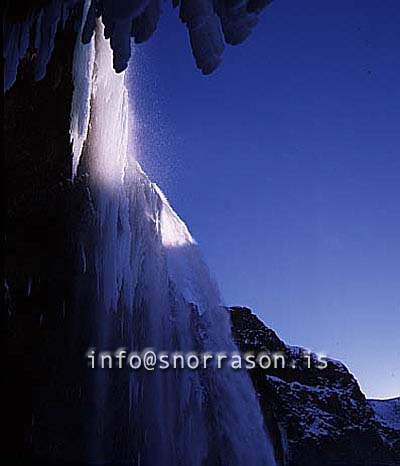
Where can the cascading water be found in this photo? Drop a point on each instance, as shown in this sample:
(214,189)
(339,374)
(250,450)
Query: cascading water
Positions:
(145,285)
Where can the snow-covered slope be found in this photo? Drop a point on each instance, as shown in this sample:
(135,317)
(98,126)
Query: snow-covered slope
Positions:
(387,412)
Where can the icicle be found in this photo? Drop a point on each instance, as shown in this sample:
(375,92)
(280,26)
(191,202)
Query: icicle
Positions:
(137,19)
(83,258)
(16,42)
(80,107)
(49,25)
(29,286)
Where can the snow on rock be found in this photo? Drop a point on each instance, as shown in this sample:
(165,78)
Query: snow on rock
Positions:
(387,412)
(316,416)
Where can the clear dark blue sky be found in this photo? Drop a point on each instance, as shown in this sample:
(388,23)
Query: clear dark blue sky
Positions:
(285,164)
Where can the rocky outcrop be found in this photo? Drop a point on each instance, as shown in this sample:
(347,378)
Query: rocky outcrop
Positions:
(316,416)
(387,414)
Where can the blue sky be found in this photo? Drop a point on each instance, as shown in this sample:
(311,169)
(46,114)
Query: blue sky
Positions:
(285,164)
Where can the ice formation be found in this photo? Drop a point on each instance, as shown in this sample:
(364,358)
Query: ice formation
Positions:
(210,23)
(38,30)
(146,285)
(80,107)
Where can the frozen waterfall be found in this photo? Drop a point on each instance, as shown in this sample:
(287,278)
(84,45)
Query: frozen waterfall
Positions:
(145,285)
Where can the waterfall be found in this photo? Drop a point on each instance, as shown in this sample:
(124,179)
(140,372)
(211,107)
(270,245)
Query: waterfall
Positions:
(144,284)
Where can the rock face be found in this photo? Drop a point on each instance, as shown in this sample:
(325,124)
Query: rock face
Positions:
(317,416)
(43,210)
(387,413)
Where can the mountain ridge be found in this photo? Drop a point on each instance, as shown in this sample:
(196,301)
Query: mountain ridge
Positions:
(314,416)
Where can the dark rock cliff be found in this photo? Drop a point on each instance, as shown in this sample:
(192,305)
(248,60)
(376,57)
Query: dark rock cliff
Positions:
(43,210)
(315,416)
